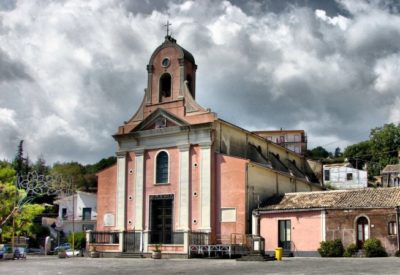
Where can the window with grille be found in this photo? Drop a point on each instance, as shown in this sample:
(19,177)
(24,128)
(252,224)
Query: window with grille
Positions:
(162,168)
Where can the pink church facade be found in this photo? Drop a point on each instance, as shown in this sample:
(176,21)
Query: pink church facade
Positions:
(182,173)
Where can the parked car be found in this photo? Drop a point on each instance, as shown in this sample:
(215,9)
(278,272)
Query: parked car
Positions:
(64,246)
(19,253)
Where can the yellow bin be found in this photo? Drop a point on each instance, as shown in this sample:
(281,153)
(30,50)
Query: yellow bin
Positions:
(278,253)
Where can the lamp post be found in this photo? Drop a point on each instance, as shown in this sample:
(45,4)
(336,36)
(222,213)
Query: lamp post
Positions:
(73,218)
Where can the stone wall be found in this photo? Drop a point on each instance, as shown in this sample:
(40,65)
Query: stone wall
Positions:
(341,224)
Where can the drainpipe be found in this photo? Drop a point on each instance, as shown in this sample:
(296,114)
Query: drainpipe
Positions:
(397,225)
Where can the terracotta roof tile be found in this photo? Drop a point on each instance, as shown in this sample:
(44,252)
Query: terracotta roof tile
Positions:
(391,168)
(359,198)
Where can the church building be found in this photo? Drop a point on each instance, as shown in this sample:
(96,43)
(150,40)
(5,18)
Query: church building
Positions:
(182,173)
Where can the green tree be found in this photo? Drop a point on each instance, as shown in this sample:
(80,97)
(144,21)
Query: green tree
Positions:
(23,219)
(10,195)
(318,153)
(338,153)
(18,163)
(73,170)
(92,169)
(359,154)
(385,146)
(381,149)
(40,166)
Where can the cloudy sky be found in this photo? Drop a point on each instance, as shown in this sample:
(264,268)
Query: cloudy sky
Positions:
(72,71)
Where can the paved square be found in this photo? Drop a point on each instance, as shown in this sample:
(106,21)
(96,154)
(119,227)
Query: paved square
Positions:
(40,265)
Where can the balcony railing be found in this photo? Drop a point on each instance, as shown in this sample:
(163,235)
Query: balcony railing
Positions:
(103,237)
(200,238)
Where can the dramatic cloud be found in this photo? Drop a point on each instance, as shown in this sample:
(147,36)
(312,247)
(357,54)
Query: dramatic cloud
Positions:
(72,71)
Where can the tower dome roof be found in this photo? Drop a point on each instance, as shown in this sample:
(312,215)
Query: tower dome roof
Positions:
(171,42)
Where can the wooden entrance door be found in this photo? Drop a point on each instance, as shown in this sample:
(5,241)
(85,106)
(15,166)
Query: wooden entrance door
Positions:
(362,231)
(161,221)
(284,229)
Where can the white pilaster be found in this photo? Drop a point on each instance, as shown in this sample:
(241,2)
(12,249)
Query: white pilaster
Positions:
(121,190)
(205,186)
(184,188)
(254,224)
(139,188)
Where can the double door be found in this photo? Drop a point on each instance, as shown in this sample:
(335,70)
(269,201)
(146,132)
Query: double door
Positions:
(161,221)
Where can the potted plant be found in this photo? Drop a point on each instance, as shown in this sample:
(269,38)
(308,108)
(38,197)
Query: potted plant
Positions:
(93,252)
(62,253)
(156,253)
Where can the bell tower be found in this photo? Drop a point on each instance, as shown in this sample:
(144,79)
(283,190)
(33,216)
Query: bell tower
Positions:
(171,88)
(171,70)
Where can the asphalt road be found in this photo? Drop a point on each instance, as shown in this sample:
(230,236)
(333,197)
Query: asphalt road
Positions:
(35,265)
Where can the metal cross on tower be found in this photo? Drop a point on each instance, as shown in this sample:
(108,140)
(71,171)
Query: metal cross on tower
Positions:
(167,26)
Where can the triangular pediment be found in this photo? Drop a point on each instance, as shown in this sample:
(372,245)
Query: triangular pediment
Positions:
(159,119)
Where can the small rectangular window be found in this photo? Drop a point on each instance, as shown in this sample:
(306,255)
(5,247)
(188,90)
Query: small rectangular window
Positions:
(86,213)
(349,176)
(392,228)
(64,213)
(327,175)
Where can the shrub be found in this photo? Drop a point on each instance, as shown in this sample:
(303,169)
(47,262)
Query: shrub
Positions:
(350,250)
(80,240)
(331,248)
(374,248)
(397,254)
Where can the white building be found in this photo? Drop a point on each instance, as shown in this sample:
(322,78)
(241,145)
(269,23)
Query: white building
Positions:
(344,176)
(77,212)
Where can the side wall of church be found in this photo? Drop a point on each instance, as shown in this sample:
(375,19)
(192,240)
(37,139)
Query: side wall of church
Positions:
(234,141)
(230,197)
(106,198)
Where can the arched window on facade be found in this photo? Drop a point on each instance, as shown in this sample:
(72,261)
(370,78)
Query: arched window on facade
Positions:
(162,162)
(165,86)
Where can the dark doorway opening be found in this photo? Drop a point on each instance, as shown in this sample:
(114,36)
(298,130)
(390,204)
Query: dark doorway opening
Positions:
(161,219)
(284,228)
(362,231)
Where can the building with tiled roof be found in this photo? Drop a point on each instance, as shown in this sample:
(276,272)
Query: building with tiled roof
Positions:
(391,175)
(182,171)
(298,222)
(340,199)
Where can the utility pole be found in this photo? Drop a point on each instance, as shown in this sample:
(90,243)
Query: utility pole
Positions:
(73,217)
